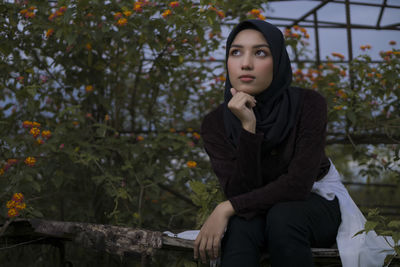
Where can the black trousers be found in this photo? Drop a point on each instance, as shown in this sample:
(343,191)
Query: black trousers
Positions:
(287,232)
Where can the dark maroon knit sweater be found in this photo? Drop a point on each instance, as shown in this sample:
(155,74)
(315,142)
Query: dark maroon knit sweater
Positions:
(254,180)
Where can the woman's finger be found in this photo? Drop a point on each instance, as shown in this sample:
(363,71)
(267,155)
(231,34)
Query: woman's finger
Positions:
(216,245)
(209,248)
(196,246)
(202,249)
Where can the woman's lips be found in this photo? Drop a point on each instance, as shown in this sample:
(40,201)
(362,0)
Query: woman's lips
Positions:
(246,78)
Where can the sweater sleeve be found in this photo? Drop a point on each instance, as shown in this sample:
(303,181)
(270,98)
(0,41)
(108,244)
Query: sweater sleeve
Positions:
(303,168)
(238,169)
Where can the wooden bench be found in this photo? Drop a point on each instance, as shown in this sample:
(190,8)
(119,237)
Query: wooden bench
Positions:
(117,240)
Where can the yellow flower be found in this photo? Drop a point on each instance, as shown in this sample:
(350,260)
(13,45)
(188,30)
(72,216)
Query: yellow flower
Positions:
(35,124)
(261,17)
(255,12)
(107,117)
(174,4)
(27,124)
(30,161)
(117,15)
(11,204)
(88,46)
(127,13)
(49,32)
(1,171)
(89,88)
(23,11)
(122,22)
(139,138)
(338,107)
(20,206)
(46,134)
(137,6)
(221,14)
(40,141)
(191,164)
(18,197)
(12,213)
(34,132)
(166,13)
(196,135)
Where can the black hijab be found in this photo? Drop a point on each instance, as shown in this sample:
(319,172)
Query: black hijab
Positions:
(276,106)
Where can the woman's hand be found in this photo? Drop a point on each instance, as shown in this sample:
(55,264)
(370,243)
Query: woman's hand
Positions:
(242,104)
(209,238)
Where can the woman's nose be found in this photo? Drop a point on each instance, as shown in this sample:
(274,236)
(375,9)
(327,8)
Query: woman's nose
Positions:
(247,63)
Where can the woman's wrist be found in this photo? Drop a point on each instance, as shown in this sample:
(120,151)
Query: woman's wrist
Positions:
(250,127)
(227,208)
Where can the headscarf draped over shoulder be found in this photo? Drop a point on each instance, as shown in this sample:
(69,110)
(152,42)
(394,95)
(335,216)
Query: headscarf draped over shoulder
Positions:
(276,106)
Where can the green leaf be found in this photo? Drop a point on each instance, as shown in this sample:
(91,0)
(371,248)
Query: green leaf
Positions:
(370,225)
(394,224)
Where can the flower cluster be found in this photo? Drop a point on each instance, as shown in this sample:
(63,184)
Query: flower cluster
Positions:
(296,33)
(256,13)
(9,163)
(166,13)
(15,205)
(174,4)
(191,164)
(35,131)
(30,161)
(220,13)
(49,32)
(58,13)
(28,13)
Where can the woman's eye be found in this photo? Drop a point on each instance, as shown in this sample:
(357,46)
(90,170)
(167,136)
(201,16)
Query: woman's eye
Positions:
(235,52)
(261,53)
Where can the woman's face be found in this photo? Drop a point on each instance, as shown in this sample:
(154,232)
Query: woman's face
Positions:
(250,64)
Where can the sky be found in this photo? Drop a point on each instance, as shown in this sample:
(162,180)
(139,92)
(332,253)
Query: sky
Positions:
(335,40)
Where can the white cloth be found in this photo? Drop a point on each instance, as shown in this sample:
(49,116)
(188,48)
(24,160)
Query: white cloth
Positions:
(364,250)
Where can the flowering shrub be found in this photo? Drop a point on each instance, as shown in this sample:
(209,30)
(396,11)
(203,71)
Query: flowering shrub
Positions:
(103,102)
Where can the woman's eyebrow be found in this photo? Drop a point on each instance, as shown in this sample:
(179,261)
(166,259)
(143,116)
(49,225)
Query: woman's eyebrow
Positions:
(254,46)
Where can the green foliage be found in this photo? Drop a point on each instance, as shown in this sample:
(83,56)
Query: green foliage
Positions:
(122,88)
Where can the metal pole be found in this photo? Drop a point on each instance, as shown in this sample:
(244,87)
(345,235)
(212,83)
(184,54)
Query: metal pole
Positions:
(317,39)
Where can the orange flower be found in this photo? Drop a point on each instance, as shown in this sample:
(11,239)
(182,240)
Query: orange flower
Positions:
(27,124)
(12,213)
(11,204)
(117,15)
(137,6)
(307,36)
(296,27)
(20,205)
(172,130)
(338,107)
(378,75)
(174,4)
(88,46)
(107,117)
(89,88)
(23,11)
(295,35)
(303,30)
(40,141)
(338,55)
(343,73)
(196,135)
(62,9)
(341,94)
(1,171)
(388,53)
(49,32)
(46,134)
(191,164)
(30,161)
(75,123)
(368,46)
(35,124)
(221,14)
(32,8)
(189,130)
(255,12)
(166,13)
(370,75)
(127,13)
(332,84)
(139,138)
(222,78)
(52,16)
(122,22)
(18,197)
(34,132)
(261,17)
(392,42)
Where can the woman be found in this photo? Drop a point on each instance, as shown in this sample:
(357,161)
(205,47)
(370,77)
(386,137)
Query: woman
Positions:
(266,145)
